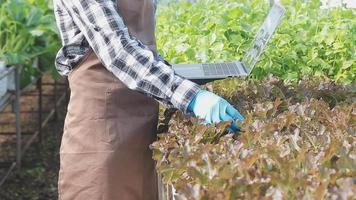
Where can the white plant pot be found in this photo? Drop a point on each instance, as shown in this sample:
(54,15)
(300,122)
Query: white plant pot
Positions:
(3,81)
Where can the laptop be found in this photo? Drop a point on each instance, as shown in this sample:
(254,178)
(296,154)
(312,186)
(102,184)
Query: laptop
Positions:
(207,72)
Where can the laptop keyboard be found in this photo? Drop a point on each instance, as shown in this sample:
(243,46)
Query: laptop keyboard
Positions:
(222,69)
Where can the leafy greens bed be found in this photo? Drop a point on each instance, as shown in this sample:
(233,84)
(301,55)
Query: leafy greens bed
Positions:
(298,140)
(28,32)
(309,41)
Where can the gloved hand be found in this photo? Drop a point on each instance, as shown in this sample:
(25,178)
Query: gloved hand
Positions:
(213,109)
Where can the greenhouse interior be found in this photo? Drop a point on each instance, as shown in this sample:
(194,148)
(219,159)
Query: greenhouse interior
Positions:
(177,99)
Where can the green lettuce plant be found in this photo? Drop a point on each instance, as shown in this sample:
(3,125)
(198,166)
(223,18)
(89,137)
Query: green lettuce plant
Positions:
(28,32)
(309,41)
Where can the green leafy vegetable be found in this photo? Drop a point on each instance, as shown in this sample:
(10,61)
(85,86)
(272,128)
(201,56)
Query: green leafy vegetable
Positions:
(309,41)
(27,32)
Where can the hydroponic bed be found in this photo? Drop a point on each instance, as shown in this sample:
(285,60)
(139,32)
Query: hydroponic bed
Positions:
(299,137)
(298,142)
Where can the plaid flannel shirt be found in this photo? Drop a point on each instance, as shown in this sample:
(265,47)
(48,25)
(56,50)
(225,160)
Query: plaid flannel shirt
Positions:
(96,24)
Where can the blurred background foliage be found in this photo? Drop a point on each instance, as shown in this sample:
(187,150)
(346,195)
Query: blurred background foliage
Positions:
(28,36)
(310,40)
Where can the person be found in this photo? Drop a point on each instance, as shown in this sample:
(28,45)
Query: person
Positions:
(117,80)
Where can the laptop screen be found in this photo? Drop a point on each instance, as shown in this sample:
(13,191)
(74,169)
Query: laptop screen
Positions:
(265,32)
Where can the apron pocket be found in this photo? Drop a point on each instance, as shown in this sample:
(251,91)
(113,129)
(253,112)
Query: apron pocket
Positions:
(106,130)
(123,102)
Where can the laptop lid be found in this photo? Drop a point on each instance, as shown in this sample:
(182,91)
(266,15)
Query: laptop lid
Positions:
(263,35)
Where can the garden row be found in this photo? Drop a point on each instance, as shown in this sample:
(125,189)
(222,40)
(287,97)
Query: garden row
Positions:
(298,140)
(28,35)
(309,41)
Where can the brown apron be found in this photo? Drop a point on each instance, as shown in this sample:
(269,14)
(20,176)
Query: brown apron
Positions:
(139,16)
(105,151)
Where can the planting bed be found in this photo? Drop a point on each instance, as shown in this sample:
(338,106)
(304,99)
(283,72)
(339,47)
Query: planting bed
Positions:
(298,142)
(309,41)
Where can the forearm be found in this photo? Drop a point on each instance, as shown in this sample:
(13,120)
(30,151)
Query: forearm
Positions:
(126,57)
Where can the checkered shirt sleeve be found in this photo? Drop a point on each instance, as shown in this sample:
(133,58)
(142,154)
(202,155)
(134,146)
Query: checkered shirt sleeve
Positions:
(122,54)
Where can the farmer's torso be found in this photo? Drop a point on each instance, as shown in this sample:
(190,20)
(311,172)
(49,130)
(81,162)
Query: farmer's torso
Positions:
(105,150)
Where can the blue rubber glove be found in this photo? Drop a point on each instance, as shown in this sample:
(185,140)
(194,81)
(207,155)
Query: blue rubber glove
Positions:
(212,108)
